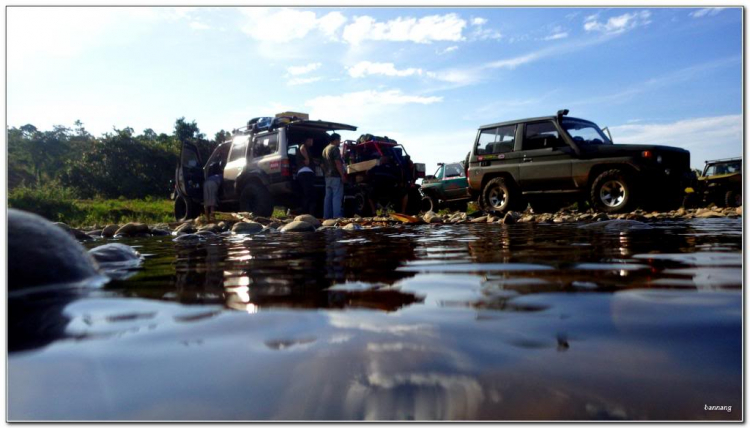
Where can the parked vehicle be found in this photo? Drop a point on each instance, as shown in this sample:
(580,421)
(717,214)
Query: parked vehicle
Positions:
(720,183)
(447,188)
(385,187)
(545,159)
(258,166)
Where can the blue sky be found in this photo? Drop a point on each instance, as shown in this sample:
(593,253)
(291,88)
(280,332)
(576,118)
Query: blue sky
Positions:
(427,77)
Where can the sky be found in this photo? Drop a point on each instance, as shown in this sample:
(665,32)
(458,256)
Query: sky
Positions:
(427,77)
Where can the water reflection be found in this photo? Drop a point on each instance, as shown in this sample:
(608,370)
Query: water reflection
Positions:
(470,322)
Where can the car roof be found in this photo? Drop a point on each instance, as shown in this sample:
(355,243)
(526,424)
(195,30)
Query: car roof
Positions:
(530,119)
(715,161)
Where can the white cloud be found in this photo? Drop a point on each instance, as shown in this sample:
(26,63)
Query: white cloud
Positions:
(365,68)
(447,50)
(478,21)
(423,30)
(284,25)
(302,80)
(364,105)
(481,33)
(709,11)
(705,137)
(303,69)
(556,36)
(512,63)
(195,25)
(617,24)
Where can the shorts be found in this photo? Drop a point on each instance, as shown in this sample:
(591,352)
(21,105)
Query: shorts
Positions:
(211,193)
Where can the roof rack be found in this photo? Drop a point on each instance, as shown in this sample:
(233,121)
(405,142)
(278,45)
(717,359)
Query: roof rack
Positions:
(724,160)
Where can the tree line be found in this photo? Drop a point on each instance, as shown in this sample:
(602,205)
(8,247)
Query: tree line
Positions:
(113,165)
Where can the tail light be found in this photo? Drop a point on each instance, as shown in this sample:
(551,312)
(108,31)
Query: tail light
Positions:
(647,154)
(285,170)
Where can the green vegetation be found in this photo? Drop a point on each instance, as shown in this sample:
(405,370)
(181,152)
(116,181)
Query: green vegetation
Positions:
(57,203)
(116,164)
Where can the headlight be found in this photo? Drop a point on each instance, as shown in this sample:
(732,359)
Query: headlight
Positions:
(658,159)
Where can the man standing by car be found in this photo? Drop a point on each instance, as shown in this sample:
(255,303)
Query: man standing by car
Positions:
(335,178)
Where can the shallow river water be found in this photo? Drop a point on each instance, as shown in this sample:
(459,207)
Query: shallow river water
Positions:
(463,322)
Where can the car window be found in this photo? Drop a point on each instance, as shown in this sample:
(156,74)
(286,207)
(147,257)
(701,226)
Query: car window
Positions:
(711,170)
(497,140)
(265,145)
(453,171)
(734,167)
(190,158)
(439,172)
(239,144)
(541,135)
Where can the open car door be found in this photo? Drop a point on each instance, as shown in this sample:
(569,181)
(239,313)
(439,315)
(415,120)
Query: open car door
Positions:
(190,174)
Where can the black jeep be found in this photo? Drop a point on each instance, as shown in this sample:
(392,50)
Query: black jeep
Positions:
(258,166)
(546,160)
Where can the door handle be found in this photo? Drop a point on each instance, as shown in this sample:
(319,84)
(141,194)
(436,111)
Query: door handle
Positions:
(527,159)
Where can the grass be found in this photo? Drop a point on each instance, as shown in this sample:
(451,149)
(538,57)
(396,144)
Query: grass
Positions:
(56,203)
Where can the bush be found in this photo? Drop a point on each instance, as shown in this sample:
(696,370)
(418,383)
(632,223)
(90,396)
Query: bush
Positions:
(52,201)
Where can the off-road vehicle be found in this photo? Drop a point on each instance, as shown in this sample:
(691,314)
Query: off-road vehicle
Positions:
(384,187)
(721,183)
(258,166)
(446,188)
(544,159)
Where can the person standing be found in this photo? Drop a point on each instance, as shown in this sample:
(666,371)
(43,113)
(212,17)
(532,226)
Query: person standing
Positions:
(211,190)
(306,176)
(335,178)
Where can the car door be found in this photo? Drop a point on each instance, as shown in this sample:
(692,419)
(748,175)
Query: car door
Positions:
(547,162)
(190,173)
(235,165)
(454,182)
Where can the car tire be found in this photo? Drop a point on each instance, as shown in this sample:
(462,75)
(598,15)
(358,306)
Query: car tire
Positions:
(613,192)
(733,199)
(429,204)
(499,196)
(185,209)
(256,199)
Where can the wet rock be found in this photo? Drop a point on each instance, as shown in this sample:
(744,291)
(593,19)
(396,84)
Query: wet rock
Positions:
(600,217)
(40,253)
(206,233)
(431,217)
(482,219)
(330,222)
(109,230)
(527,219)
(709,214)
(94,233)
(307,218)
(298,226)
(491,219)
(246,228)
(76,233)
(352,226)
(159,232)
(211,227)
(114,252)
(223,225)
(558,220)
(189,237)
(511,217)
(132,229)
(185,228)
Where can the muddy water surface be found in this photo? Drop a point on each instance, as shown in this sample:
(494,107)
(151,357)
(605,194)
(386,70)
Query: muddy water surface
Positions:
(463,322)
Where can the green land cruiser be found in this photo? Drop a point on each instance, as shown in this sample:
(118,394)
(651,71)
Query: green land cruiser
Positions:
(546,159)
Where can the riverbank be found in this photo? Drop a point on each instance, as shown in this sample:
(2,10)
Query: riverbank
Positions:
(248,224)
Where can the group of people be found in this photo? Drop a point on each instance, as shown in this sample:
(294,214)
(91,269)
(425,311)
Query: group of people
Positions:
(335,177)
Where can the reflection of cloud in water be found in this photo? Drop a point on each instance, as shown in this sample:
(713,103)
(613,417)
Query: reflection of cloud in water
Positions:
(420,396)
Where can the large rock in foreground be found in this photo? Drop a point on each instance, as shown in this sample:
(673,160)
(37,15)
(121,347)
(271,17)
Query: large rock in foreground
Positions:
(298,226)
(40,253)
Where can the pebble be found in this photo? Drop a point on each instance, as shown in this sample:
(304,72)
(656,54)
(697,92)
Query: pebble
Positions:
(298,226)
(246,228)
(132,229)
(307,218)
(109,230)
(352,226)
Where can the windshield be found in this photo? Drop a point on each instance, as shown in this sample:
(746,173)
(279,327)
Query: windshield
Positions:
(723,168)
(584,132)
